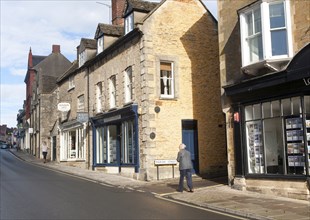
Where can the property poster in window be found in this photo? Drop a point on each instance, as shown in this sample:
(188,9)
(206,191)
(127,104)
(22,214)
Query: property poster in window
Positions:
(255,147)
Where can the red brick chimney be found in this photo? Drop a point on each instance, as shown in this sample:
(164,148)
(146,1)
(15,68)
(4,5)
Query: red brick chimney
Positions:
(117,12)
(30,65)
(56,49)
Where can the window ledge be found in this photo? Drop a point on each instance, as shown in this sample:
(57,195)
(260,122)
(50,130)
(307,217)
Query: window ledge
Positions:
(71,88)
(265,66)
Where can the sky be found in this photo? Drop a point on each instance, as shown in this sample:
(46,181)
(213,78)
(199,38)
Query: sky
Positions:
(38,24)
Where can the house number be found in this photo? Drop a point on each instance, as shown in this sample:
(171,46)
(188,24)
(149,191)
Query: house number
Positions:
(307,81)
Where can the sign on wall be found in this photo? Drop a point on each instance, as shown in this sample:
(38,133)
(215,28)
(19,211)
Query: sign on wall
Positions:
(63,106)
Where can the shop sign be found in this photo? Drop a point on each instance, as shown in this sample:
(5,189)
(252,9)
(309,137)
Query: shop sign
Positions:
(30,130)
(63,106)
(117,117)
(307,81)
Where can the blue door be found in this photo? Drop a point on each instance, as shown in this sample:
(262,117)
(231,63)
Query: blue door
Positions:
(190,139)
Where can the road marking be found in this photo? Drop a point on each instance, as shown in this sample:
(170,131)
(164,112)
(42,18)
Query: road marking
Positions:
(201,208)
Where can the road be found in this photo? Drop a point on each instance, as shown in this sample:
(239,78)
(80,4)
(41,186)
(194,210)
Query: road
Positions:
(31,192)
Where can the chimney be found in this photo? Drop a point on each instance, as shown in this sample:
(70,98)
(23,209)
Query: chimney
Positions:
(30,65)
(118,7)
(56,49)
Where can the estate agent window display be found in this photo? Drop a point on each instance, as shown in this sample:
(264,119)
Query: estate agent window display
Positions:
(278,136)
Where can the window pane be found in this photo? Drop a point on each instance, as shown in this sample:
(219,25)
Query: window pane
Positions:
(274,146)
(112,144)
(257,21)
(296,106)
(276,110)
(286,107)
(248,113)
(249,21)
(266,110)
(257,111)
(276,13)
(307,104)
(256,48)
(279,42)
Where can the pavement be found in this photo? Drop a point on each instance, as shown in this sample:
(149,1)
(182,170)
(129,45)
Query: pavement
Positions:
(209,194)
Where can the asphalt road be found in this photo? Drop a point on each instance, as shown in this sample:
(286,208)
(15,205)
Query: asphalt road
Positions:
(32,192)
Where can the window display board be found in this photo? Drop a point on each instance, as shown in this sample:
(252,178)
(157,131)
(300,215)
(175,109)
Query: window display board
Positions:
(255,147)
(308,138)
(295,145)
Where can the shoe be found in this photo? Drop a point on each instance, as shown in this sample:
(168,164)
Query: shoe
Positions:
(191,191)
(179,191)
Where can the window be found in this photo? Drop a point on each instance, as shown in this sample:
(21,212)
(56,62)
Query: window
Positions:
(80,104)
(128,143)
(113,92)
(129,23)
(73,145)
(128,85)
(99,97)
(265,31)
(275,137)
(71,82)
(99,45)
(166,80)
(82,58)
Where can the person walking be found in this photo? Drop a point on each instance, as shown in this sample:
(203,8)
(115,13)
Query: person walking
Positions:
(44,150)
(185,167)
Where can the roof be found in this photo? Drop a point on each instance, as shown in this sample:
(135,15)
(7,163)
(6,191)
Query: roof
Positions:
(89,43)
(74,66)
(37,59)
(138,5)
(108,29)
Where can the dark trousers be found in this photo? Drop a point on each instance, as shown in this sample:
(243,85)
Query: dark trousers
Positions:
(44,155)
(188,175)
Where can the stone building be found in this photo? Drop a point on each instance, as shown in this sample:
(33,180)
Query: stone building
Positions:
(265,72)
(155,87)
(43,102)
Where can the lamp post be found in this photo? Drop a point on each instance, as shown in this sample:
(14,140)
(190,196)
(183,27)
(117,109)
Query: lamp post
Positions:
(109,6)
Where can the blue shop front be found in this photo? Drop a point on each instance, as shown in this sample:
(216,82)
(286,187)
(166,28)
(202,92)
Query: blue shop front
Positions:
(115,139)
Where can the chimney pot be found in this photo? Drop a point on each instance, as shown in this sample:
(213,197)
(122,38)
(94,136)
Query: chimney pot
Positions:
(56,49)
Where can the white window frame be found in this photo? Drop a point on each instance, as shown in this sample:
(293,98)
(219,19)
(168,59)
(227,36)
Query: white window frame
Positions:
(71,82)
(129,21)
(100,45)
(112,92)
(68,154)
(265,31)
(82,58)
(164,81)
(81,103)
(128,85)
(99,96)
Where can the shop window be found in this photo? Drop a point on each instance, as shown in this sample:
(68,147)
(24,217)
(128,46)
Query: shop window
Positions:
(112,144)
(128,143)
(101,140)
(73,145)
(276,141)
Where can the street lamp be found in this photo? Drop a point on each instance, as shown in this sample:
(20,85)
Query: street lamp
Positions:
(109,6)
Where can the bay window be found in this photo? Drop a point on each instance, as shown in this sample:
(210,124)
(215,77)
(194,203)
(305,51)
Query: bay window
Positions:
(265,31)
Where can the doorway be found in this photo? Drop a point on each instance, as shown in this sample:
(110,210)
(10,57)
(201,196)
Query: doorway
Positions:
(190,139)
(54,148)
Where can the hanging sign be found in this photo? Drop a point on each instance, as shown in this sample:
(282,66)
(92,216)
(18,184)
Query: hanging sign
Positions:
(63,106)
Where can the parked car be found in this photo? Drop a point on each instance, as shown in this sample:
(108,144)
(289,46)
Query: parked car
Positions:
(4,146)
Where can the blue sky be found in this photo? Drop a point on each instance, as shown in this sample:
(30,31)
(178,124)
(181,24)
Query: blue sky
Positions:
(39,25)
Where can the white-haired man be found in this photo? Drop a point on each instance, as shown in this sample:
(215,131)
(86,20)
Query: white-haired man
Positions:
(185,167)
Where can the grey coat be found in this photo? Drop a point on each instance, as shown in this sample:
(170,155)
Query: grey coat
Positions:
(184,158)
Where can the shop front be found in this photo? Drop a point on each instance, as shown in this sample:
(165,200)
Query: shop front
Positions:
(272,129)
(73,142)
(115,141)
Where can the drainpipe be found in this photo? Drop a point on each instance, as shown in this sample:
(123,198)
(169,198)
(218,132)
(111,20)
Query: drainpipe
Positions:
(88,125)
